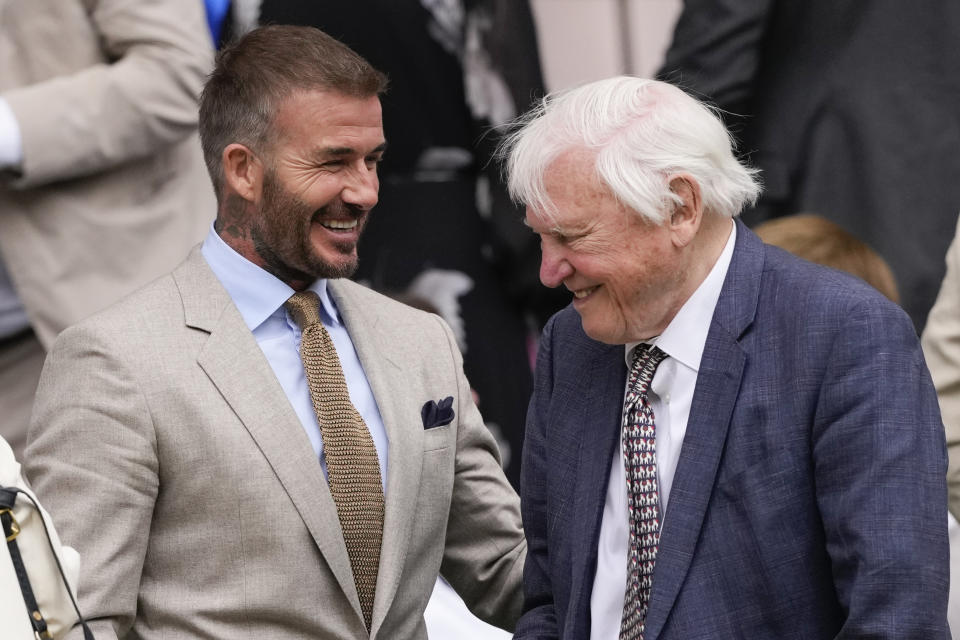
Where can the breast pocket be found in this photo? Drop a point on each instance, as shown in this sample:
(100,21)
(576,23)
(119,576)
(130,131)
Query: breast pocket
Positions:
(438,438)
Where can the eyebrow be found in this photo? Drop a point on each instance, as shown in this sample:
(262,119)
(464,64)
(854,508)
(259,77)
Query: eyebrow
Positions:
(554,229)
(328,152)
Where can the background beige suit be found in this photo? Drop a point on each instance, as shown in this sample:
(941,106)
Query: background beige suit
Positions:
(169,455)
(941,348)
(113,191)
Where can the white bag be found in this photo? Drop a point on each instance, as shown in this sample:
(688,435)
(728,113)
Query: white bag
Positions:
(56,604)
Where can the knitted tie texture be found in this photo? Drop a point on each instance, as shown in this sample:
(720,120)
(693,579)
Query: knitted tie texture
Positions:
(643,493)
(352,467)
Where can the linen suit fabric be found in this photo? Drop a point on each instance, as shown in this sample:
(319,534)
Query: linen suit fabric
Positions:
(105,93)
(808,498)
(204,511)
(941,346)
(849,108)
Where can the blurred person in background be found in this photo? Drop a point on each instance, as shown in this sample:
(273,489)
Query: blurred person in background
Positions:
(850,109)
(814,238)
(102,183)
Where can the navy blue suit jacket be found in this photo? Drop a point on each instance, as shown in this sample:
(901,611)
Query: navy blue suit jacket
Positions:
(809,501)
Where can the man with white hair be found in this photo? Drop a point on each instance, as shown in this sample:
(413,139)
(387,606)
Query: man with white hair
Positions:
(724,441)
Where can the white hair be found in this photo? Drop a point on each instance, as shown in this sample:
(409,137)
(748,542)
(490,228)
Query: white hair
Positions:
(643,132)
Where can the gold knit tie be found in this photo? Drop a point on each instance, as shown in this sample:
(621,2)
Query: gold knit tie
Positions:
(352,467)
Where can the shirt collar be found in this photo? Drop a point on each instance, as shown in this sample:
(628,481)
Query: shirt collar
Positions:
(256,293)
(686,335)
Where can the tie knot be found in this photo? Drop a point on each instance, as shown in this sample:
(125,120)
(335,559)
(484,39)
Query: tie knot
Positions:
(304,308)
(646,359)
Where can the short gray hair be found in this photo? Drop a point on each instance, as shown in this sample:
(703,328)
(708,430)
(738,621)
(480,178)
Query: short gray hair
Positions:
(642,131)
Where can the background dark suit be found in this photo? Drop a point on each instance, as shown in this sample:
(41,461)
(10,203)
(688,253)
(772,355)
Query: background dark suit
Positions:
(809,497)
(852,111)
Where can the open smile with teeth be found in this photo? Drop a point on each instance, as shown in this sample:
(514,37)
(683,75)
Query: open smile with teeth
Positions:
(583,293)
(339,225)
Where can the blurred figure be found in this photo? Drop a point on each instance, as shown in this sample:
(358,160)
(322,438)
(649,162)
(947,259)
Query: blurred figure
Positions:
(445,228)
(278,452)
(102,184)
(849,108)
(724,441)
(820,241)
(941,347)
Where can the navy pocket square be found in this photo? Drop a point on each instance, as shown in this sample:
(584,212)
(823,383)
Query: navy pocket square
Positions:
(437,415)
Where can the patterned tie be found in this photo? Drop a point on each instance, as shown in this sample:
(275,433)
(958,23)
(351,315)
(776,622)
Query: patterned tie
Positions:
(643,494)
(352,467)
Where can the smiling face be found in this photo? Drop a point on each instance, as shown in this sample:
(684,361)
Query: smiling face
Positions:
(318,185)
(628,276)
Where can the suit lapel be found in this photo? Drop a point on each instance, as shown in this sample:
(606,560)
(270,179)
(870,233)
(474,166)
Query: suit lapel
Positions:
(598,425)
(718,385)
(235,364)
(396,401)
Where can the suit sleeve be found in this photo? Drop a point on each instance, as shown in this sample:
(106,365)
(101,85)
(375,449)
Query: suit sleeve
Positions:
(92,428)
(941,347)
(484,550)
(143,98)
(879,469)
(715,50)
(539,614)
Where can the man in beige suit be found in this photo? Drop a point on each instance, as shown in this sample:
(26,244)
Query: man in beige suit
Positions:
(102,187)
(175,438)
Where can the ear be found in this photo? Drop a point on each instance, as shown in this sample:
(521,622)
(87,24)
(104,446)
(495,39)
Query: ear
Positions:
(242,172)
(686,217)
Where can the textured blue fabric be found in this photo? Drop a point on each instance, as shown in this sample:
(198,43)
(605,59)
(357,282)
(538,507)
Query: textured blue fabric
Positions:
(810,495)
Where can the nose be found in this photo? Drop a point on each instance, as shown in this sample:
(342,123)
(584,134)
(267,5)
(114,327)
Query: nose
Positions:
(362,188)
(554,268)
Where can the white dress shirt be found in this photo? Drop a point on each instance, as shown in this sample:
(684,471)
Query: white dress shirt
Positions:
(671,394)
(259,296)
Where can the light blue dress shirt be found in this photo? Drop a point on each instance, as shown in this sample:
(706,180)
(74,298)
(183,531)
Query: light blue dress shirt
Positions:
(259,296)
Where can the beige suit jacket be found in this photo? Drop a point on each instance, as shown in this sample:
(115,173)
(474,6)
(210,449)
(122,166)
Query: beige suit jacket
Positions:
(941,348)
(113,191)
(169,456)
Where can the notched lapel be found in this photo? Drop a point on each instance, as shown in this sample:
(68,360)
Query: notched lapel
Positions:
(715,396)
(598,425)
(237,367)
